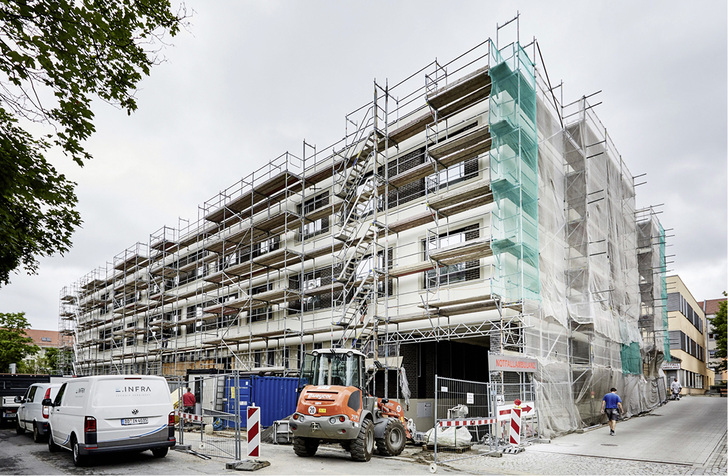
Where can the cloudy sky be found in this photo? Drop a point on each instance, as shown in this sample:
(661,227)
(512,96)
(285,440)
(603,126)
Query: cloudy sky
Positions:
(251,80)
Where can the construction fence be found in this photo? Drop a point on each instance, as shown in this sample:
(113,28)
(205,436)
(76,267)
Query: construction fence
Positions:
(218,425)
(468,413)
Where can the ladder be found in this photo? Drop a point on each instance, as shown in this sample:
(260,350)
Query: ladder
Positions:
(355,264)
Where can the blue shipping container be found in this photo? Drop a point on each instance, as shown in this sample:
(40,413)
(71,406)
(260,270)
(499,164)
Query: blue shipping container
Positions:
(276,397)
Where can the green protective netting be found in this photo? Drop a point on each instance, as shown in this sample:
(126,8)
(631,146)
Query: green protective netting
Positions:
(631,359)
(514,174)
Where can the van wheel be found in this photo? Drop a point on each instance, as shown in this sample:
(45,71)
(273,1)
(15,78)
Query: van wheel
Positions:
(363,446)
(19,429)
(394,439)
(78,459)
(36,434)
(52,446)
(160,452)
(305,446)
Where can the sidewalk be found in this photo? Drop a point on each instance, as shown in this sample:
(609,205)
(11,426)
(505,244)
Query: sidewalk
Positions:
(685,437)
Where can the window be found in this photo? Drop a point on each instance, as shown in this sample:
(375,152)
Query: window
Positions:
(412,190)
(59,396)
(312,283)
(45,339)
(676,302)
(31,393)
(311,280)
(286,357)
(452,175)
(261,289)
(680,341)
(271,244)
(312,228)
(315,227)
(454,273)
(260,314)
(264,311)
(271,357)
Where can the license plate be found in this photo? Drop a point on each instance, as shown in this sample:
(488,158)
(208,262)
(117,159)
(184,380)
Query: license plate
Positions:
(9,415)
(134,421)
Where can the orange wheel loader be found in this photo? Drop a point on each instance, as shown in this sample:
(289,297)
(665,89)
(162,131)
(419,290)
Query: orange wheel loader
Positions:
(335,407)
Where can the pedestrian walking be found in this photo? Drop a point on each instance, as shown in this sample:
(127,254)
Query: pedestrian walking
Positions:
(612,406)
(676,388)
(188,401)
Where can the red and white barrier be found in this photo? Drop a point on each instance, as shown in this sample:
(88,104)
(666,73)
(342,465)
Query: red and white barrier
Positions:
(189,416)
(515,435)
(475,422)
(253,431)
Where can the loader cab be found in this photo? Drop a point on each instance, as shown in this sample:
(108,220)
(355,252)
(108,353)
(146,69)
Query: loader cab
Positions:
(333,367)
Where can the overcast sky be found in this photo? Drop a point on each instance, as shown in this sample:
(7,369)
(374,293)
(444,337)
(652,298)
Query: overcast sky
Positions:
(251,80)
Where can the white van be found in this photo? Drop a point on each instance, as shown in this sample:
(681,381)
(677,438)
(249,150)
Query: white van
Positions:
(93,415)
(32,414)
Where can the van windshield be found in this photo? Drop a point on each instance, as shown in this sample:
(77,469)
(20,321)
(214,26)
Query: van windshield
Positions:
(111,393)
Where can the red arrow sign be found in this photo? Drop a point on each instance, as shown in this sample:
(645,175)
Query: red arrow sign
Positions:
(504,411)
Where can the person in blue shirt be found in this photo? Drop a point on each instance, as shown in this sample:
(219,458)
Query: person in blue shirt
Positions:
(612,405)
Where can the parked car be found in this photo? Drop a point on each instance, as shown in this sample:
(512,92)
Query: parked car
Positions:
(109,413)
(32,414)
(15,385)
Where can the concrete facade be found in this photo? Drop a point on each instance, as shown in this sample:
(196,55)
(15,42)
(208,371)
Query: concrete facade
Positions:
(689,331)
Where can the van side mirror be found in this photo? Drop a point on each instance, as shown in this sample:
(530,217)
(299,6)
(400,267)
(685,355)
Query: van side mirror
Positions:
(47,402)
(19,399)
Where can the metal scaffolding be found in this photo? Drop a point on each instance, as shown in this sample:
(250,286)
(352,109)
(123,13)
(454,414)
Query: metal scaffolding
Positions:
(463,204)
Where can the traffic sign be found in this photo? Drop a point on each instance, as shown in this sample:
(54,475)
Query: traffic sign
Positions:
(504,411)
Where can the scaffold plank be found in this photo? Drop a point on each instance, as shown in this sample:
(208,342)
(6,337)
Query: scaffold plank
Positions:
(411,221)
(474,191)
(412,127)
(406,270)
(264,195)
(461,252)
(455,302)
(464,141)
(460,88)
(466,153)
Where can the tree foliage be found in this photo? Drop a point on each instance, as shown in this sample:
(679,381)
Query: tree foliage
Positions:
(720,330)
(14,341)
(56,56)
(49,362)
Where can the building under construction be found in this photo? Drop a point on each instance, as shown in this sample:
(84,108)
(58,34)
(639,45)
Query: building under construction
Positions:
(468,210)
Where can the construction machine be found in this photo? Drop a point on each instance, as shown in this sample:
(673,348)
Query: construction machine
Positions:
(335,407)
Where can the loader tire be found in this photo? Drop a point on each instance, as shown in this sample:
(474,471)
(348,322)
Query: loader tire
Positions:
(394,439)
(363,446)
(304,447)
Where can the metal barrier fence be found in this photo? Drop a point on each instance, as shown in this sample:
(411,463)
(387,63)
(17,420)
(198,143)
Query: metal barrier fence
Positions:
(464,404)
(484,410)
(215,427)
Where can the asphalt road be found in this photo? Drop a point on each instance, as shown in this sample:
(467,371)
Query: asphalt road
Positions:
(19,455)
(685,437)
